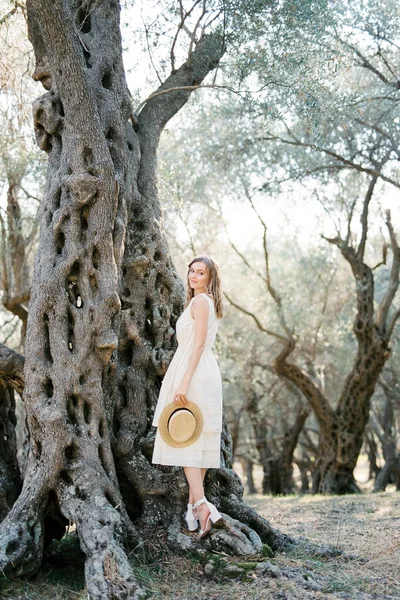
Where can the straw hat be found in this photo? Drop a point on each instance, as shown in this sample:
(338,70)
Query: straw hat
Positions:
(180,426)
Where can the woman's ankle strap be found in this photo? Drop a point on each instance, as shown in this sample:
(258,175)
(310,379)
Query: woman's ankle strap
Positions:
(200,502)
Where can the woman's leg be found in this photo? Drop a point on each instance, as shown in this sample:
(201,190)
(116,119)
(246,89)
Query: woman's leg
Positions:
(191,496)
(195,478)
(195,481)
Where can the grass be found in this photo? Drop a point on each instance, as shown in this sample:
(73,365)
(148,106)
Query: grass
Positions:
(366,527)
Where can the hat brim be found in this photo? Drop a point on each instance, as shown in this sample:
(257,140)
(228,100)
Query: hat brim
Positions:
(165,416)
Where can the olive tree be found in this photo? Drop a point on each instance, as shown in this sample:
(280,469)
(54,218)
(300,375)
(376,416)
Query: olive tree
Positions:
(103,304)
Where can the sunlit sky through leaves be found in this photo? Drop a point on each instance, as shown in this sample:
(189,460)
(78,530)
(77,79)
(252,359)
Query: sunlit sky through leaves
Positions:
(298,211)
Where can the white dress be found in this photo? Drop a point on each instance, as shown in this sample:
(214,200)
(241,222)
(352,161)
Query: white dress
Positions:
(205,390)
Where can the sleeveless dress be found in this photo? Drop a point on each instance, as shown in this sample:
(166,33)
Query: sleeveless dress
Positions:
(205,390)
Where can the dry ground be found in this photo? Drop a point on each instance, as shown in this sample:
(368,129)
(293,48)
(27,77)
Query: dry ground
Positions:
(366,527)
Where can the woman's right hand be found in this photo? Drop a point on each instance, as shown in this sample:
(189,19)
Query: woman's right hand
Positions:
(180,397)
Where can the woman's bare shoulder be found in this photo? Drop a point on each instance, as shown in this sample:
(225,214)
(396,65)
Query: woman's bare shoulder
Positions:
(200,305)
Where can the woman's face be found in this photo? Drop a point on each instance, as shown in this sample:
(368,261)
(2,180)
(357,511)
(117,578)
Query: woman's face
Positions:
(198,277)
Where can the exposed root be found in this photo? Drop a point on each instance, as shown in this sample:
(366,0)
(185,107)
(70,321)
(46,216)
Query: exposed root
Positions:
(178,539)
(247,515)
(233,537)
(110,577)
(21,542)
(103,531)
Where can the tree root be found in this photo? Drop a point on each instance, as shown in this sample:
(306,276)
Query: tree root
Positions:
(247,515)
(109,575)
(22,540)
(226,490)
(104,530)
(233,537)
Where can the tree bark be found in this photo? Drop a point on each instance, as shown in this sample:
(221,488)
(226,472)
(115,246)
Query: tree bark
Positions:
(14,280)
(372,453)
(105,298)
(12,368)
(74,300)
(248,466)
(276,456)
(10,479)
(385,432)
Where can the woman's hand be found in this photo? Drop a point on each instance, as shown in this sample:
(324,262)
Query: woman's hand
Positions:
(180,397)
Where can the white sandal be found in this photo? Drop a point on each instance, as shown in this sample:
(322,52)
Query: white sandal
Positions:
(192,522)
(212,518)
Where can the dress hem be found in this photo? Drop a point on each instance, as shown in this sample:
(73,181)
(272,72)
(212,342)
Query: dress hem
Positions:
(197,465)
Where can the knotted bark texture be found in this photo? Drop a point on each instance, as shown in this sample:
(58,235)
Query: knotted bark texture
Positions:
(10,480)
(81,122)
(105,299)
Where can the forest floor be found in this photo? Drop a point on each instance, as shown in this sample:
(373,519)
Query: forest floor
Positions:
(366,527)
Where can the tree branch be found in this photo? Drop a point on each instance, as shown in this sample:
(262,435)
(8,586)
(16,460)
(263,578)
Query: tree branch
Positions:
(297,428)
(387,300)
(267,279)
(392,323)
(7,16)
(304,383)
(15,305)
(160,107)
(5,276)
(364,218)
(184,89)
(366,63)
(255,319)
(345,161)
(242,256)
(184,16)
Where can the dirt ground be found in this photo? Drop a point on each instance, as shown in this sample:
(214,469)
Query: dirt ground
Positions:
(366,527)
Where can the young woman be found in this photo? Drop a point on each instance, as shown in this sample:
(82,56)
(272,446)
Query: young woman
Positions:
(194,375)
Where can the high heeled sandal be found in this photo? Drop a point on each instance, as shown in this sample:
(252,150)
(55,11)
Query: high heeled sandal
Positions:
(212,518)
(192,522)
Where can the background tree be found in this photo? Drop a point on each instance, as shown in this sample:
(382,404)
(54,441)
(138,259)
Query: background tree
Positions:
(21,169)
(322,133)
(384,424)
(20,177)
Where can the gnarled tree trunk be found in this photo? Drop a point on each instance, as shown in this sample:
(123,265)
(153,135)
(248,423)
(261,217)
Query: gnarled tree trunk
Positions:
(74,301)
(13,256)
(342,429)
(247,467)
(385,429)
(276,456)
(371,448)
(105,298)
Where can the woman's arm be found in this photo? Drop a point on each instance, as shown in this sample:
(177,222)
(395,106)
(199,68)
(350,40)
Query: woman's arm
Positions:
(200,309)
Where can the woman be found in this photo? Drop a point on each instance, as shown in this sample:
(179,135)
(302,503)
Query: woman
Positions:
(194,375)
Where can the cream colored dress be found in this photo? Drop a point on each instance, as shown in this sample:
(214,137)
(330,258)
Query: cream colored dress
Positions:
(205,390)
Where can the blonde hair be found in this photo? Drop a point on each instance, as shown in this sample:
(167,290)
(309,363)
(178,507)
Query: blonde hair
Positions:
(213,289)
